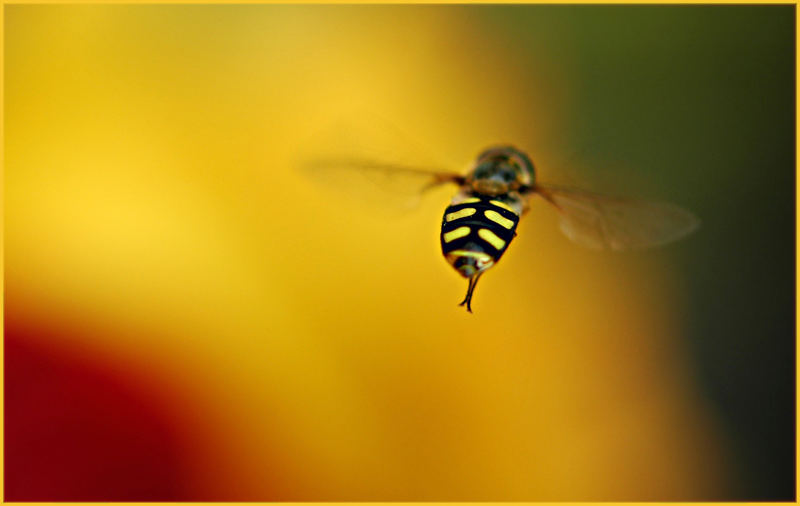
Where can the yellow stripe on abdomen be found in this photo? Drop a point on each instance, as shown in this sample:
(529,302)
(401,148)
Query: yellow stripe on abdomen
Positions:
(505,206)
(490,237)
(463,213)
(499,219)
(455,234)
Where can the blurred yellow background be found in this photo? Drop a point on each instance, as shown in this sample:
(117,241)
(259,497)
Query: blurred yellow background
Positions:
(302,346)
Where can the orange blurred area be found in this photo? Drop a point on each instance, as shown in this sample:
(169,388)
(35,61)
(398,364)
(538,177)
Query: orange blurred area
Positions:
(189,317)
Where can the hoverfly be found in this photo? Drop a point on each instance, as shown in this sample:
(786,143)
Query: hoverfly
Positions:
(481,220)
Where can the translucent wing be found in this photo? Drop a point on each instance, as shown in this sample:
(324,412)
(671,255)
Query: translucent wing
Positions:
(366,158)
(602,222)
(389,184)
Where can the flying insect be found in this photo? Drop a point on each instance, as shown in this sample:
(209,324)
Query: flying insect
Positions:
(481,220)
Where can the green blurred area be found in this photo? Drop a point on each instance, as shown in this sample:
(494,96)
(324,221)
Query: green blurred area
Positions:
(699,102)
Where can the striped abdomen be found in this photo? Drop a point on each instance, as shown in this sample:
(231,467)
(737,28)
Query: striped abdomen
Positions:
(476,232)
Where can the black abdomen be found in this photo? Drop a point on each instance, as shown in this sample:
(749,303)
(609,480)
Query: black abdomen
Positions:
(480,225)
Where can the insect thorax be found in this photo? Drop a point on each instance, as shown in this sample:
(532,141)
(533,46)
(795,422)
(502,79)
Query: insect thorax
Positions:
(502,169)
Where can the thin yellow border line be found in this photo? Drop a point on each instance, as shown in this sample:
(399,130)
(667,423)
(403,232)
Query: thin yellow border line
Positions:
(396,2)
(796,257)
(3,3)
(3,251)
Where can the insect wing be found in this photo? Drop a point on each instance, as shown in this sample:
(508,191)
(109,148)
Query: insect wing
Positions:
(396,185)
(603,222)
(366,158)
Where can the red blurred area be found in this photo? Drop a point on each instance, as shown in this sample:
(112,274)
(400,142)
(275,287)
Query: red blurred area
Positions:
(78,429)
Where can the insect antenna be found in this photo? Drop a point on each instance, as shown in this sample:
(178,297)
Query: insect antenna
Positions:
(473,281)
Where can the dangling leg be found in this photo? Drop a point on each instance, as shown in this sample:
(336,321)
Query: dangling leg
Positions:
(473,281)
(469,291)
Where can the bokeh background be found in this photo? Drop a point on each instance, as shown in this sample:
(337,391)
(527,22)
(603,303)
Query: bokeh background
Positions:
(190,317)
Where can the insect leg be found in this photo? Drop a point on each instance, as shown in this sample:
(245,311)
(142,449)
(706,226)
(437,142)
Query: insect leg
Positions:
(473,281)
